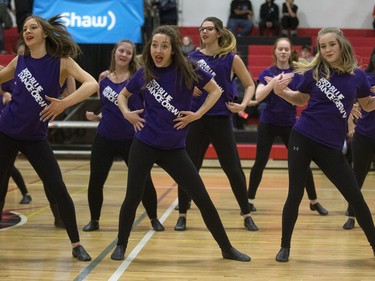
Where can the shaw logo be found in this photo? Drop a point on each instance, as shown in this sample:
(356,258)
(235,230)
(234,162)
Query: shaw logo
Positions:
(74,20)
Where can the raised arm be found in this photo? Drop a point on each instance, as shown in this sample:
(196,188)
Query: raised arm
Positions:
(240,70)
(132,116)
(367,103)
(88,86)
(187,117)
(264,90)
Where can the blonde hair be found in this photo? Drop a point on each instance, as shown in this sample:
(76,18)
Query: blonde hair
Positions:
(320,66)
(227,41)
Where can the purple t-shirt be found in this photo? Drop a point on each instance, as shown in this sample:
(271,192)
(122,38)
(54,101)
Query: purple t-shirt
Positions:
(164,98)
(277,111)
(325,118)
(221,69)
(113,125)
(33,80)
(366,124)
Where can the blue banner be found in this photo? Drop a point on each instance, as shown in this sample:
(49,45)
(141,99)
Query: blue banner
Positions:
(96,21)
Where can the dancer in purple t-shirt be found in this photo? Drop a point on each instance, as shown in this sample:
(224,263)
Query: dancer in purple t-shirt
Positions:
(218,57)
(331,83)
(277,119)
(115,134)
(40,75)
(166,83)
(363,141)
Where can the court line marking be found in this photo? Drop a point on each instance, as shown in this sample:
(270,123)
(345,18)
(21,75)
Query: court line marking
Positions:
(129,259)
(85,272)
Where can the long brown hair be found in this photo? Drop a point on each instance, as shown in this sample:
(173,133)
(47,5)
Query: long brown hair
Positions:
(183,66)
(59,42)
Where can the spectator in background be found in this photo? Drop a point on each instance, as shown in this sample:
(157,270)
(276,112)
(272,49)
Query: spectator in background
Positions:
(5,23)
(289,21)
(373,18)
(306,53)
(241,16)
(24,8)
(269,17)
(168,12)
(187,45)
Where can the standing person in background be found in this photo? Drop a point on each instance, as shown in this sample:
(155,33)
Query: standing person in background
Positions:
(115,134)
(6,22)
(241,16)
(269,18)
(306,53)
(39,78)
(332,82)
(24,8)
(168,11)
(277,118)
(363,141)
(166,82)
(289,20)
(217,55)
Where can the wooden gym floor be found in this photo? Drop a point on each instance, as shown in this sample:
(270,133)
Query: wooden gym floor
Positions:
(321,248)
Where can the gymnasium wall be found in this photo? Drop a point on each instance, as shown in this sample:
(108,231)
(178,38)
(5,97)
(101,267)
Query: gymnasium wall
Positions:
(356,14)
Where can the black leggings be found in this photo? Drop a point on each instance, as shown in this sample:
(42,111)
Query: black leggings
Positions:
(217,130)
(103,153)
(266,135)
(303,150)
(179,166)
(363,151)
(18,180)
(42,159)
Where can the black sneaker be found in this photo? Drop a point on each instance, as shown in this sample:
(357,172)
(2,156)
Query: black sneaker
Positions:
(26,199)
(91,226)
(250,224)
(234,254)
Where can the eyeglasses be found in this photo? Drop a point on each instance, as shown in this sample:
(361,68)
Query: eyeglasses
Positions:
(208,28)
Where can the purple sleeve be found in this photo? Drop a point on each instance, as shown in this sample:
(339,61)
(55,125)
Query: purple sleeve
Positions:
(136,82)
(364,89)
(307,83)
(204,77)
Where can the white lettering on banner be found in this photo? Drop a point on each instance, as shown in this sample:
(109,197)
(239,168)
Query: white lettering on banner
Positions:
(333,94)
(32,86)
(110,94)
(162,97)
(203,64)
(74,20)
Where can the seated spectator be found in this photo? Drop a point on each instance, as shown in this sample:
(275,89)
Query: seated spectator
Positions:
(187,45)
(289,21)
(306,53)
(269,17)
(241,16)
